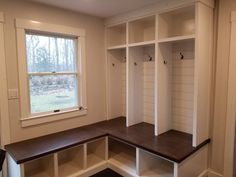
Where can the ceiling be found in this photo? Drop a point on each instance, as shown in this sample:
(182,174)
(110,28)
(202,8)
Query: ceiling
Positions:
(100,8)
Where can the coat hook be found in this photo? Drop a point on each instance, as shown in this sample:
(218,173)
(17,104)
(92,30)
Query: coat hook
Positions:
(150,58)
(181,56)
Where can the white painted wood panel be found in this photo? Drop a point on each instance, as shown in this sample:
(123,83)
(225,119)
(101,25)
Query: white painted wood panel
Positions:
(202,73)
(116,83)
(194,165)
(148,92)
(183,86)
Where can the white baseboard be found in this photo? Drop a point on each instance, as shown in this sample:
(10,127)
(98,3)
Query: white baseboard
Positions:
(204,174)
(211,173)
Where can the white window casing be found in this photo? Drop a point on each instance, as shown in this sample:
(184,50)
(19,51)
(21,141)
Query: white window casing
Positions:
(27,119)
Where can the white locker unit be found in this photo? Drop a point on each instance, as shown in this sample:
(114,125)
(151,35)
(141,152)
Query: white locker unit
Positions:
(168,53)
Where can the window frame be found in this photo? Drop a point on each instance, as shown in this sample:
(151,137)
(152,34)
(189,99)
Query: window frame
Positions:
(22,27)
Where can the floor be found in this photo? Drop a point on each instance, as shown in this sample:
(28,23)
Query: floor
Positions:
(107,173)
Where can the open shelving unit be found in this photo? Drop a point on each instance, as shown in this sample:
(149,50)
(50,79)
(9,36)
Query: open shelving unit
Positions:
(180,41)
(142,30)
(152,165)
(71,161)
(122,156)
(96,152)
(42,167)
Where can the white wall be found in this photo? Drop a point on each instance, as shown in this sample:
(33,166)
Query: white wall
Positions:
(95,64)
(222,65)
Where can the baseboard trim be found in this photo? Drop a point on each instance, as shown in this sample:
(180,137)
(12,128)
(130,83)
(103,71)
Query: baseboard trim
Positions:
(210,173)
(204,174)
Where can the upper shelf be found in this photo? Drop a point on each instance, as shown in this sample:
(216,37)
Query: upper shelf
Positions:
(117,47)
(176,39)
(116,35)
(142,30)
(176,23)
(140,44)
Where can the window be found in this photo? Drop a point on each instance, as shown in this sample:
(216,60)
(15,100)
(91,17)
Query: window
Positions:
(52,72)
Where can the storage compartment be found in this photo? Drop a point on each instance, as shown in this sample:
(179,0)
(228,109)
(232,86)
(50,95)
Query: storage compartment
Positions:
(179,22)
(122,156)
(116,83)
(96,152)
(142,30)
(71,161)
(43,167)
(116,35)
(151,165)
(141,86)
(176,86)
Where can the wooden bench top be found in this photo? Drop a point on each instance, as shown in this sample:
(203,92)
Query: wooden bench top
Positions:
(172,145)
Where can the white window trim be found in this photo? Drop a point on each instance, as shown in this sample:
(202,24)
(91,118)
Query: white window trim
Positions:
(21,27)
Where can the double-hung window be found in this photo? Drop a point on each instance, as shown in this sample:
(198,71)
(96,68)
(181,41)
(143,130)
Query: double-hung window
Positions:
(52,72)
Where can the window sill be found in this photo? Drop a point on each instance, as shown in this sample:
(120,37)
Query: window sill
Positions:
(36,120)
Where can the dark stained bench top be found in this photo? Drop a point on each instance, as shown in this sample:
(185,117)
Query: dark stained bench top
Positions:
(173,145)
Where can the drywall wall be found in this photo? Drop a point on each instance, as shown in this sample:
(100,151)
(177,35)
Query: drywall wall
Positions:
(222,65)
(95,64)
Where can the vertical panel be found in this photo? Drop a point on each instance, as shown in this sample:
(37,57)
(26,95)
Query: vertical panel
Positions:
(202,73)
(229,161)
(164,79)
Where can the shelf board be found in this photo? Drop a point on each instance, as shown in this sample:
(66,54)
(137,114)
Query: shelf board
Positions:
(140,44)
(166,171)
(177,38)
(117,47)
(124,161)
(68,168)
(93,159)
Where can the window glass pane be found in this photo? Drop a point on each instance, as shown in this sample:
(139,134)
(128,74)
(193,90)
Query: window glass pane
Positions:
(50,53)
(49,93)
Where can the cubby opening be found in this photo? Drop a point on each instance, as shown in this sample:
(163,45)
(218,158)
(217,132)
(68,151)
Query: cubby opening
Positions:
(152,165)
(176,85)
(70,161)
(179,22)
(43,167)
(142,30)
(122,155)
(141,84)
(117,83)
(116,35)
(96,152)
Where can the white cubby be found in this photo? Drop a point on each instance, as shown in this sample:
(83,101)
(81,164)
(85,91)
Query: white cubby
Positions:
(180,22)
(142,30)
(117,83)
(122,156)
(152,165)
(96,152)
(116,35)
(141,86)
(71,161)
(42,167)
(176,85)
